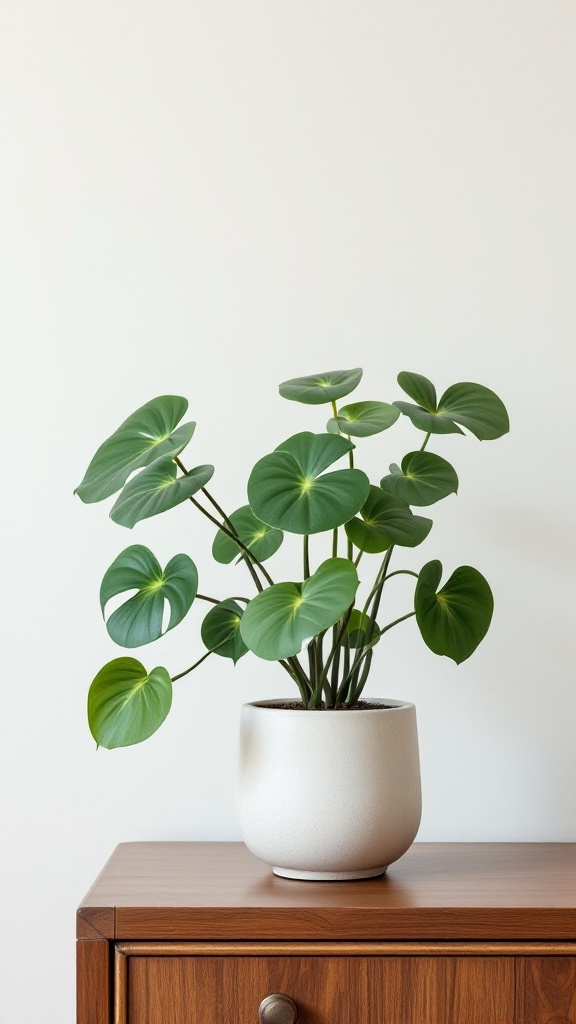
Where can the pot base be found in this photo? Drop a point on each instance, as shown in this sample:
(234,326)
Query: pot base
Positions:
(329,876)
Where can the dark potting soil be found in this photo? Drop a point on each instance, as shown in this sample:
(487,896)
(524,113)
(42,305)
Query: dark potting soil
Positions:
(297,705)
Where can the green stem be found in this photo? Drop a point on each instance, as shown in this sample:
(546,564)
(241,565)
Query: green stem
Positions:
(204,597)
(425,441)
(369,647)
(300,674)
(306,556)
(401,572)
(335,543)
(195,665)
(246,557)
(356,688)
(295,679)
(336,645)
(220,511)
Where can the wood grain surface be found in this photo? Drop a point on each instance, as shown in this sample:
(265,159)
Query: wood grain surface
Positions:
(444,891)
(326,990)
(547,990)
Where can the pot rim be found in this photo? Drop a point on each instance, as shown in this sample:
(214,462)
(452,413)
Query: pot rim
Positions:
(270,705)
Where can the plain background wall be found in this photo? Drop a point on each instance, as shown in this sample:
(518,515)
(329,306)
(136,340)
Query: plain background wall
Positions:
(205,198)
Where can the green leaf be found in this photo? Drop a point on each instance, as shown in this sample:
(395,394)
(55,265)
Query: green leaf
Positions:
(365,418)
(476,408)
(423,479)
(139,620)
(386,521)
(221,630)
(278,621)
(431,422)
(320,388)
(360,630)
(453,620)
(261,539)
(126,704)
(148,434)
(286,490)
(156,489)
(419,388)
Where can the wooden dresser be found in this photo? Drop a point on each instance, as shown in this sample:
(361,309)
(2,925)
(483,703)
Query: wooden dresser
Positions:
(456,933)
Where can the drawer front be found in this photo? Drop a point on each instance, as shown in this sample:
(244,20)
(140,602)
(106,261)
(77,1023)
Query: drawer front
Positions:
(546,990)
(326,989)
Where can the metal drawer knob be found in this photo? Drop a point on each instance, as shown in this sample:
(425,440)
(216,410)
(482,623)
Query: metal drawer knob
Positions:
(278,1009)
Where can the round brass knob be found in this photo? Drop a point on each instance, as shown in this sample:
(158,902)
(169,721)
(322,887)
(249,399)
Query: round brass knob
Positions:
(278,1009)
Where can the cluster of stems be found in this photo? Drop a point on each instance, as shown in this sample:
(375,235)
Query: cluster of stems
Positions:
(337,671)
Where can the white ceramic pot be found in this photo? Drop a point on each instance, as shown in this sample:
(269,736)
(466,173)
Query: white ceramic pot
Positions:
(329,795)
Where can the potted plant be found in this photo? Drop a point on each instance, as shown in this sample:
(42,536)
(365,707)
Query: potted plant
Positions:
(329,780)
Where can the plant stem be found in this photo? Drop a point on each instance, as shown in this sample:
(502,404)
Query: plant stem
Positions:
(212,501)
(295,679)
(306,556)
(425,441)
(335,650)
(356,689)
(192,667)
(246,557)
(204,597)
(401,572)
(335,542)
(368,648)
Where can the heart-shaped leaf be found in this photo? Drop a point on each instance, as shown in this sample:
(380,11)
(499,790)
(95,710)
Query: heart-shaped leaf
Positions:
(476,408)
(139,620)
(221,630)
(148,434)
(386,521)
(419,388)
(456,618)
(126,704)
(261,540)
(320,388)
(431,422)
(360,630)
(365,418)
(423,479)
(155,490)
(286,489)
(278,621)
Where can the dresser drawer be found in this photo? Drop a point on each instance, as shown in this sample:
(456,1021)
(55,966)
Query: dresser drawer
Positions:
(368,989)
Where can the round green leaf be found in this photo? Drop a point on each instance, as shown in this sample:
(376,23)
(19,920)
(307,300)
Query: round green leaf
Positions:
(423,479)
(139,620)
(286,490)
(476,408)
(262,540)
(419,388)
(431,422)
(126,704)
(456,618)
(278,621)
(221,630)
(360,630)
(386,521)
(156,489)
(320,388)
(365,418)
(148,434)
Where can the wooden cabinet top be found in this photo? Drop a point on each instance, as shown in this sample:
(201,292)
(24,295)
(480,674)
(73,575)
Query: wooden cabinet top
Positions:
(442,891)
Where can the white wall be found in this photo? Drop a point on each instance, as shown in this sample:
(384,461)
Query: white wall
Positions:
(205,198)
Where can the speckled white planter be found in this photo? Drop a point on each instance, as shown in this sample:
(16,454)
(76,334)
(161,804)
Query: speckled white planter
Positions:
(329,795)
